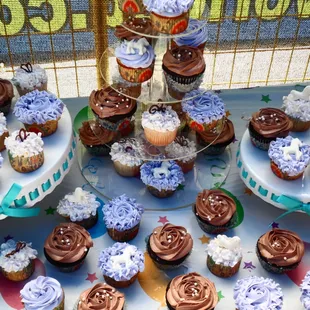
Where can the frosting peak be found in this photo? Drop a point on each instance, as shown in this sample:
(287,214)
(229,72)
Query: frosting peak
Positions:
(3,127)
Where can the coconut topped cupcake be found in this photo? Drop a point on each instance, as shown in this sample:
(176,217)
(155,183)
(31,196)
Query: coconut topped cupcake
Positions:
(15,256)
(168,7)
(290,155)
(182,149)
(258,293)
(305,291)
(42,293)
(122,213)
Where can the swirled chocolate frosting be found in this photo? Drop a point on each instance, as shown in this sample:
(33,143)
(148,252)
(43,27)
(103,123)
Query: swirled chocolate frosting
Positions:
(108,103)
(6,91)
(171,242)
(68,243)
(184,60)
(92,133)
(281,247)
(271,123)
(192,292)
(101,297)
(215,207)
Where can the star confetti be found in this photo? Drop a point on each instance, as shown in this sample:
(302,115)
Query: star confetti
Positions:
(204,239)
(180,187)
(91,277)
(220,295)
(228,113)
(163,220)
(7,238)
(248,191)
(249,266)
(50,211)
(274,225)
(266,98)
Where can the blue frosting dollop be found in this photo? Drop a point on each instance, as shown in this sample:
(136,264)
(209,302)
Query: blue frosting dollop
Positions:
(292,166)
(162,181)
(168,7)
(121,261)
(305,291)
(122,213)
(197,34)
(203,107)
(38,107)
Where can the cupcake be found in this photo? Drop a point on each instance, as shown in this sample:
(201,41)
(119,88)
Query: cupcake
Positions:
(196,35)
(183,68)
(169,16)
(205,111)
(127,155)
(305,291)
(6,96)
(258,293)
(122,216)
(80,207)
(289,157)
(224,256)
(25,150)
(183,151)
(162,178)
(268,124)
(39,111)
(112,109)
(169,246)
(96,139)
(135,60)
(191,291)
(131,6)
(120,264)
(43,293)
(29,77)
(101,297)
(17,260)
(4,133)
(297,107)
(160,124)
(215,211)
(215,143)
(280,250)
(67,246)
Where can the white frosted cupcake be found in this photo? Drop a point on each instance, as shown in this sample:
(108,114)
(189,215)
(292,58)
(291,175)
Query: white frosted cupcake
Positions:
(3,131)
(224,256)
(160,124)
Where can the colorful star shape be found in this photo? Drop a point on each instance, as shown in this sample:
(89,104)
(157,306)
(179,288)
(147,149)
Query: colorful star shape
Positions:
(7,238)
(235,140)
(91,277)
(274,225)
(228,113)
(265,98)
(50,210)
(204,239)
(163,220)
(180,187)
(249,266)
(248,191)
(220,295)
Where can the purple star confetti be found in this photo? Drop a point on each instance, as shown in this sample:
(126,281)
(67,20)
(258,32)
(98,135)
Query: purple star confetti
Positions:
(249,266)
(274,225)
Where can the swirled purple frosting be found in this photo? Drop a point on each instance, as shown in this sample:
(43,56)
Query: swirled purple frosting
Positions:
(204,107)
(43,293)
(161,181)
(305,291)
(258,293)
(38,107)
(168,7)
(197,34)
(122,213)
(121,261)
(135,53)
(292,165)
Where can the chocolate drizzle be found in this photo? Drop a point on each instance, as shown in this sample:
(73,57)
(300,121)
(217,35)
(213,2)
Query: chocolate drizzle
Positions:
(19,246)
(22,135)
(157,108)
(27,67)
(181,140)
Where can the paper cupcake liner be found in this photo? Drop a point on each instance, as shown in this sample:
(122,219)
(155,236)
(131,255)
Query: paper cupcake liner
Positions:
(298,125)
(86,223)
(216,126)
(131,7)
(23,92)
(21,275)
(6,107)
(160,193)
(124,126)
(159,138)
(98,150)
(120,284)
(221,270)
(213,149)
(2,138)
(283,175)
(126,171)
(170,25)
(46,129)
(135,75)
(123,236)
(258,140)
(26,164)
(186,166)
(180,83)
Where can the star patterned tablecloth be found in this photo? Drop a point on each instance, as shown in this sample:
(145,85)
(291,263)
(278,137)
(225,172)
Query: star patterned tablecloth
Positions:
(148,292)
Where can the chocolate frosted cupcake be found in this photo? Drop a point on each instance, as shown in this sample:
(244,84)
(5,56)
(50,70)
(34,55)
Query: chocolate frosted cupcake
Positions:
(96,139)
(112,109)
(67,246)
(216,143)
(183,68)
(191,291)
(268,124)
(215,211)
(101,297)
(169,246)
(280,250)
(6,96)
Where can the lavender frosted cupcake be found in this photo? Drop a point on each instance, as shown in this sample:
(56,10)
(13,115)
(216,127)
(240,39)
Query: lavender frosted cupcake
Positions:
(17,260)
(305,291)
(80,207)
(289,157)
(122,216)
(39,111)
(120,264)
(162,178)
(258,293)
(43,293)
